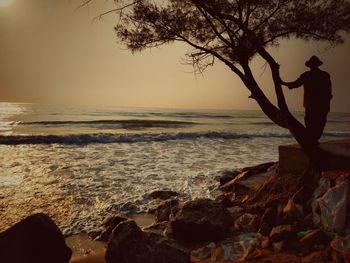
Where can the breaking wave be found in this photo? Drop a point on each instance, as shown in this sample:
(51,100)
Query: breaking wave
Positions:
(131,123)
(84,139)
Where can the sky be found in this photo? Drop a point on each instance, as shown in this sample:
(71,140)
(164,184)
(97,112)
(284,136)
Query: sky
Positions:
(52,53)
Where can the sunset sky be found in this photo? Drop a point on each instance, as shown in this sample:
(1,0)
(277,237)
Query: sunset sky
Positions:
(52,53)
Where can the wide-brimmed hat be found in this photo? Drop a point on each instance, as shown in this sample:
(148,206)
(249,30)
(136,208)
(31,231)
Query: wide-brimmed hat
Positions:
(313,61)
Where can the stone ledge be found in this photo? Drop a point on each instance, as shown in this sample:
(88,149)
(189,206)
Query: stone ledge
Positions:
(292,159)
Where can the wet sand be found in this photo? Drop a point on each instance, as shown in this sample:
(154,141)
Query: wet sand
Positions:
(86,250)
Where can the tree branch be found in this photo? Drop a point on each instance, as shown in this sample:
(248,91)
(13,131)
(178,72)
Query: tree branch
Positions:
(213,26)
(217,55)
(115,9)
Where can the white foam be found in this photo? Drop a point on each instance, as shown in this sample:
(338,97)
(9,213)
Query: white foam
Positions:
(79,185)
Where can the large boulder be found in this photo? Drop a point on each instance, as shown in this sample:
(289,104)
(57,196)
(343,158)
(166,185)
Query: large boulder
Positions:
(129,244)
(36,239)
(199,221)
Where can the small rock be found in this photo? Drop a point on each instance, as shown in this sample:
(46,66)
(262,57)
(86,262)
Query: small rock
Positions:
(129,207)
(227,199)
(283,233)
(162,194)
(317,257)
(233,186)
(277,246)
(315,239)
(308,220)
(108,225)
(113,221)
(265,243)
(242,182)
(228,251)
(261,168)
(163,211)
(164,250)
(228,176)
(268,221)
(199,221)
(269,217)
(247,223)
(235,212)
(201,253)
(292,212)
(157,228)
(248,242)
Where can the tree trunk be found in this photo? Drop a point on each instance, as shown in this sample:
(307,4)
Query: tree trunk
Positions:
(285,119)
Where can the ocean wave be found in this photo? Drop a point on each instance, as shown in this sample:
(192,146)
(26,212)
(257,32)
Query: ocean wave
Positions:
(193,115)
(83,139)
(123,123)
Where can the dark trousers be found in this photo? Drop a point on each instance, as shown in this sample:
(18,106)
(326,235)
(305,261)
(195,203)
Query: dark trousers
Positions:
(315,121)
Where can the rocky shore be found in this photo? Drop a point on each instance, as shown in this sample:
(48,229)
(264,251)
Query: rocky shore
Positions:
(259,215)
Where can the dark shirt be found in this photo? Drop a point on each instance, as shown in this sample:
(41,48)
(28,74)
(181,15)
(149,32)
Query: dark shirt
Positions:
(317,88)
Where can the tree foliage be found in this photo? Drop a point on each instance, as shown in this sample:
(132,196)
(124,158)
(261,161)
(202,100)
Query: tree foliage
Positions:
(219,28)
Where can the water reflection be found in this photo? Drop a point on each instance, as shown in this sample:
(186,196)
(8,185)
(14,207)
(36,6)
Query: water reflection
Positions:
(7,113)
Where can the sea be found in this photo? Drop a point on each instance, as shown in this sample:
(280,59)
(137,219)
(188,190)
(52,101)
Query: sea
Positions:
(81,164)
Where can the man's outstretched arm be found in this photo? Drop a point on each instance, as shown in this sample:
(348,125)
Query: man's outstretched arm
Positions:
(294,84)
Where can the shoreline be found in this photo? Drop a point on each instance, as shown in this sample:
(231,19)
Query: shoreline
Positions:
(86,250)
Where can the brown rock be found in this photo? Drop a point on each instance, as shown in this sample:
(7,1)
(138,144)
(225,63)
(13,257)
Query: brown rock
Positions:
(317,257)
(283,233)
(228,176)
(308,220)
(235,212)
(292,211)
(315,239)
(247,179)
(129,244)
(104,233)
(157,228)
(261,168)
(162,194)
(233,186)
(265,243)
(36,239)
(227,199)
(163,211)
(199,221)
(268,221)
(247,223)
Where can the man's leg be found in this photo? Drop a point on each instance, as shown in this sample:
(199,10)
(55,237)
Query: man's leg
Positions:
(311,126)
(315,121)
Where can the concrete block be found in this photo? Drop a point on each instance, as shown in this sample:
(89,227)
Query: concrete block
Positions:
(337,155)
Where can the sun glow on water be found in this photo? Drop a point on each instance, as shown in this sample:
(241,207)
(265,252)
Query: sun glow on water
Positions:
(7,112)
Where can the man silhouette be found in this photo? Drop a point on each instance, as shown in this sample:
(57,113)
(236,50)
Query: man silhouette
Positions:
(317,97)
